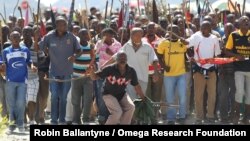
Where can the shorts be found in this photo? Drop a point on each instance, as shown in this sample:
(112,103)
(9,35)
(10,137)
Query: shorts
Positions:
(32,90)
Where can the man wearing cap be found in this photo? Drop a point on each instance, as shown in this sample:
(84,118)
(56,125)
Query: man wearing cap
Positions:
(63,48)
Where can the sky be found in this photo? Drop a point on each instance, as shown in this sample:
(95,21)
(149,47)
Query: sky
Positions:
(48,2)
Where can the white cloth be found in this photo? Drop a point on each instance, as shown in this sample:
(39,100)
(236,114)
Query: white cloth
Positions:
(32,90)
(204,47)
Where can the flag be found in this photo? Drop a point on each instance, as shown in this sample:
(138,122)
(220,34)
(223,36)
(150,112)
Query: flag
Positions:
(198,7)
(42,29)
(155,13)
(71,15)
(24,4)
(53,19)
(120,20)
(188,16)
(26,21)
(218,60)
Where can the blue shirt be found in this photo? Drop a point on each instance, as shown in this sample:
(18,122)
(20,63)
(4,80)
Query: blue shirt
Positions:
(60,49)
(16,61)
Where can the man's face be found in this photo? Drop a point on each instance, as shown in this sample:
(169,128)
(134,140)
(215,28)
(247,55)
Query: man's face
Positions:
(47,14)
(113,25)
(181,23)
(15,39)
(151,29)
(61,26)
(122,59)
(108,37)
(244,23)
(75,30)
(196,22)
(83,35)
(175,29)
(136,37)
(27,33)
(206,29)
(20,23)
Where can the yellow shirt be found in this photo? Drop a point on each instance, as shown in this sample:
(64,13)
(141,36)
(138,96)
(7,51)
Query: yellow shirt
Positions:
(177,59)
(230,41)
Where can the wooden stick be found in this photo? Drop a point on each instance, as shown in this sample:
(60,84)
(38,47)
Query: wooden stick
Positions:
(203,7)
(5,16)
(238,6)
(38,11)
(67,80)
(164,104)
(106,10)
(20,10)
(1,39)
(138,4)
(123,7)
(244,6)
(172,33)
(4,20)
(71,15)
(110,13)
(15,8)
(233,6)
(33,14)
(87,22)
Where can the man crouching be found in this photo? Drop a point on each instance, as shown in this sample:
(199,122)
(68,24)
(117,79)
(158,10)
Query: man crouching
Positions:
(117,77)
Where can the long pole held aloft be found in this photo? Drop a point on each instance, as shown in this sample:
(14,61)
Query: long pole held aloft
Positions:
(138,4)
(106,9)
(38,11)
(111,8)
(71,15)
(86,21)
(4,10)
(244,7)
(15,8)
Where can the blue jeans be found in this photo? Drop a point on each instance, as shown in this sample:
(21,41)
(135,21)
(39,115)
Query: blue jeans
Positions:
(171,84)
(103,112)
(59,92)
(16,101)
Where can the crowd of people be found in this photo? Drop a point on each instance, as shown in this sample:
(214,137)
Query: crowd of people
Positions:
(95,70)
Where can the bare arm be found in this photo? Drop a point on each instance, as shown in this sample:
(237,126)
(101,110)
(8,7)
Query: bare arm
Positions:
(92,73)
(110,61)
(229,53)
(139,92)
(92,54)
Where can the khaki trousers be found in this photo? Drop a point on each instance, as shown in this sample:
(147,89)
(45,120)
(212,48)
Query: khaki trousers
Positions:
(200,84)
(121,112)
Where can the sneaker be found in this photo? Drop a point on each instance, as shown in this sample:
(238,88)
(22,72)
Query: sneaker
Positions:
(21,129)
(11,129)
(171,123)
(32,122)
(198,122)
(181,121)
(64,123)
(210,121)
(85,123)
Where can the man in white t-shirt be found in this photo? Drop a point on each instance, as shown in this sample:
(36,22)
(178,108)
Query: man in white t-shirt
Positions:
(205,46)
(140,55)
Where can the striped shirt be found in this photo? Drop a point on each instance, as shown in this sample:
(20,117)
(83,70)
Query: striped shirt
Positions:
(82,63)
